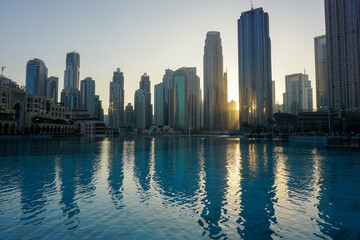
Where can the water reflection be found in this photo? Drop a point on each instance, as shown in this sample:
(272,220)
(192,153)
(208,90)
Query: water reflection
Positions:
(116,173)
(212,215)
(176,170)
(257,198)
(214,188)
(77,170)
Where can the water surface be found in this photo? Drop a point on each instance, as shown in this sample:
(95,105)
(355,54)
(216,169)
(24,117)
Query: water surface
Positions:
(176,188)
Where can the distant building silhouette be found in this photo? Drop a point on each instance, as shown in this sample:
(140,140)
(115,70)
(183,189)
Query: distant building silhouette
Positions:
(255,100)
(36,74)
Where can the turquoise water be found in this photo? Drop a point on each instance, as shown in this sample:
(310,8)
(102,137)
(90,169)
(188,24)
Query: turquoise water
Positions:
(173,188)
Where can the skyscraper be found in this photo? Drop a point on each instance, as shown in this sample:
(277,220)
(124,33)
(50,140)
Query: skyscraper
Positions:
(322,83)
(116,103)
(36,74)
(70,95)
(129,115)
(145,85)
(99,111)
(166,80)
(298,95)
(215,83)
(87,95)
(273,96)
(342,19)
(159,94)
(255,100)
(72,71)
(140,109)
(52,88)
(70,98)
(180,109)
(191,93)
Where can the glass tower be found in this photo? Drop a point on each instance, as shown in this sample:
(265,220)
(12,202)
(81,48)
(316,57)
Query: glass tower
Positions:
(87,95)
(36,74)
(180,102)
(159,104)
(116,103)
(72,72)
(215,84)
(255,100)
(322,83)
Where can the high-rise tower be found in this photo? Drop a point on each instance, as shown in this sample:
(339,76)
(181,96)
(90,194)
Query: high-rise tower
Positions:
(255,100)
(36,74)
(116,102)
(342,19)
(72,72)
(215,84)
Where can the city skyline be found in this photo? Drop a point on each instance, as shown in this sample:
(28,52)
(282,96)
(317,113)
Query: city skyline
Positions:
(143,40)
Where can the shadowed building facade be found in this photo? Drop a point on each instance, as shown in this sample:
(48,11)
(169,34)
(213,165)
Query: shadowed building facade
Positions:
(215,83)
(255,100)
(342,18)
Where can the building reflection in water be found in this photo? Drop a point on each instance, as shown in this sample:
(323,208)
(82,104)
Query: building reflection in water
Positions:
(257,207)
(141,168)
(339,195)
(216,184)
(37,183)
(116,172)
(176,170)
(77,170)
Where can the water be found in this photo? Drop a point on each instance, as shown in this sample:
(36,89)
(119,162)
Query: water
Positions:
(173,188)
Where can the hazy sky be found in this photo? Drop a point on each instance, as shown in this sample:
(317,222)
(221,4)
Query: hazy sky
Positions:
(149,36)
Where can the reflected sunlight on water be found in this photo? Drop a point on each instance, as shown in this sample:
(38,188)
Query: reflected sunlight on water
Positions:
(161,188)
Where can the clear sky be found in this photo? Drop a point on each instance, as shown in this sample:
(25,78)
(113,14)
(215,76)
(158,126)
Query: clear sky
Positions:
(149,36)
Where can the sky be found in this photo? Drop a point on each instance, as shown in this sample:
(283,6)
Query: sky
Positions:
(141,36)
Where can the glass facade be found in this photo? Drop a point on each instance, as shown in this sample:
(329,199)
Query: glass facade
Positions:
(159,105)
(52,86)
(255,82)
(87,94)
(322,83)
(36,74)
(72,72)
(140,109)
(180,102)
(70,98)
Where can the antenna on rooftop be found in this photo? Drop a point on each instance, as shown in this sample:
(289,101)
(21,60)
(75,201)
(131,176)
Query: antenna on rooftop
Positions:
(2,70)
(252,6)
